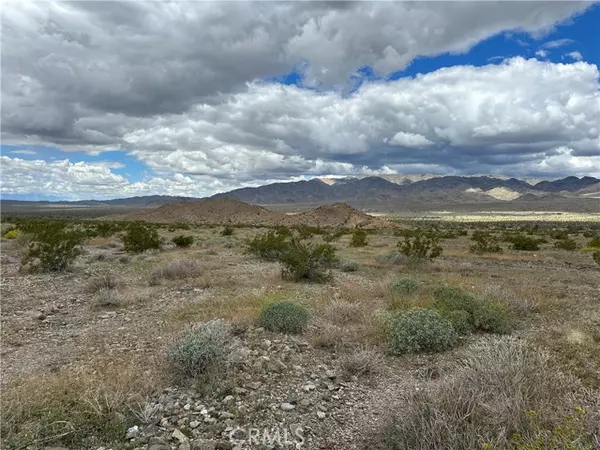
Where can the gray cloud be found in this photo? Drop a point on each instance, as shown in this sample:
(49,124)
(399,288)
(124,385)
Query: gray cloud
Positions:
(178,84)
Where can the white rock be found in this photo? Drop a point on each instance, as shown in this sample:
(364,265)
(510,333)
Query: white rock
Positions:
(287,407)
(179,436)
(321,415)
(132,432)
(194,424)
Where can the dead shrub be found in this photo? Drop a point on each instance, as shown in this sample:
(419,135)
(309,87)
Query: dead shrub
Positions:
(175,270)
(362,362)
(104,282)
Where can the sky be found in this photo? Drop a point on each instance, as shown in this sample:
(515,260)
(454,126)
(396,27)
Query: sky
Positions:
(118,99)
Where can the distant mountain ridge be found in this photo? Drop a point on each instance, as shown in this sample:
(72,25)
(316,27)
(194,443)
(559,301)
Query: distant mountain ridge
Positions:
(372,191)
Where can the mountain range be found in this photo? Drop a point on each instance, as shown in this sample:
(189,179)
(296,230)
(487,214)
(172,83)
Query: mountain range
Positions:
(390,192)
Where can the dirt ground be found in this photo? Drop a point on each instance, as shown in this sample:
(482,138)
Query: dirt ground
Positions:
(57,337)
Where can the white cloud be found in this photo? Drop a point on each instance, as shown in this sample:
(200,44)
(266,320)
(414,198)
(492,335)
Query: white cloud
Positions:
(575,56)
(460,117)
(558,43)
(23,152)
(541,53)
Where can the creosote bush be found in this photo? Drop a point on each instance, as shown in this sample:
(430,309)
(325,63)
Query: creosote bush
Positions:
(284,317)
(307,262)
(359,238)
(201,348)
(270,245)
(566,244)
(525,243)
(227,231)
(485,243)
(138,238)
(183,241)
(420,246)
(53,247)
(421,330)
(594,243)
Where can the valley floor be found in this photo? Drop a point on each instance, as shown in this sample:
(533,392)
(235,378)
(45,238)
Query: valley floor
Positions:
(69,360)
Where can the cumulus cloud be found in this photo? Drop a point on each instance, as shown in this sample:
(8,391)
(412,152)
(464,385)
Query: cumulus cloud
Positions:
(541,53)
(459,117)
(180,86)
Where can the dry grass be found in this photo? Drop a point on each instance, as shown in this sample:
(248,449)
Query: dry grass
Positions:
(81,407)
(364,361)
(175,270)
(501,388)
(104,282)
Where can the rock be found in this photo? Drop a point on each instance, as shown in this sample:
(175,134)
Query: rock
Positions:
(321,415)
(132,432)
(203,444)
(179,436)
(330,374)
(240,391)
(157,444)
(305,402)
(309,387)
(287,407)
(194,424)
(184,446)
(254,385)
(228,399)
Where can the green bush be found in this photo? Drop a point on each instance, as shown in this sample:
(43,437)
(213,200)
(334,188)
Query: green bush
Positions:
(525,243)
(270,245)
(406,286)
(311,262)
(284,317)
(138,238)
(485,243)
(183,241)
(349,266)
(566,244)
(201,348)
(359,238)
(421,246)
(227,231)
(460,320)
(451,298)
(420,329)
(493,317)
(594,243)
(53,247)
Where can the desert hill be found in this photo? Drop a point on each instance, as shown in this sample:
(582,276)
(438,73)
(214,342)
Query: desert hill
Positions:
(225,210)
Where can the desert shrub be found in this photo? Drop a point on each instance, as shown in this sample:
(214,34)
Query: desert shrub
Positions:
(596,257)
(306,231)
(11,234)
(201,348)
(525,243)
(175,270)
(486,316)
(420,246)
(559,235)
(284,317)
(107,298)
(594,243)
(461,321)
(306,261)
(53,247)
(349,266)
(393,258)
(362,362)
(269,245)
(451,298)
(493,317)
(183,241)
(501,393)
(418,330)
(227,231)
(359,238)
(405,286)
(485,243)
(334,235)
(107,281)
(566,244)
(138,238)
(342,312)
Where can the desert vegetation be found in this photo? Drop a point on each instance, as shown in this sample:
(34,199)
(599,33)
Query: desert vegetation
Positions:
(129,335)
